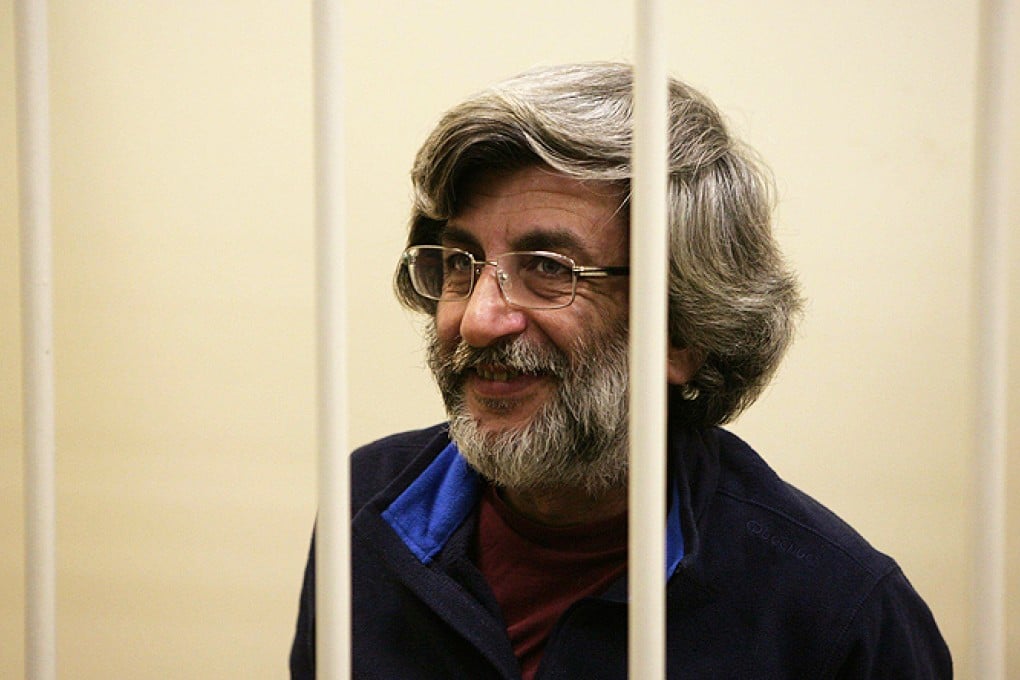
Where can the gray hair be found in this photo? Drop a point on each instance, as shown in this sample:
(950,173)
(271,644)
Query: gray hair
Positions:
(732,300)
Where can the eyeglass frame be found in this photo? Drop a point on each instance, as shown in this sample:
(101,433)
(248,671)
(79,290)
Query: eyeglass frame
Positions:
(577,272)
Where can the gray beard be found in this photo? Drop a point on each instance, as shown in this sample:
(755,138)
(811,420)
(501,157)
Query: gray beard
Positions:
(576,440)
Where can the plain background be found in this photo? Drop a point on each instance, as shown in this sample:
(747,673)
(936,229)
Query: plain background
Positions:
(182,180)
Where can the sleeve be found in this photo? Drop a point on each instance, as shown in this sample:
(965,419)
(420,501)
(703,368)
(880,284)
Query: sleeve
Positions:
(302,650)
(893,635)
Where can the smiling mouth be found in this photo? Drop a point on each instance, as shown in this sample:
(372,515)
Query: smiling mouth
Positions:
(498,373)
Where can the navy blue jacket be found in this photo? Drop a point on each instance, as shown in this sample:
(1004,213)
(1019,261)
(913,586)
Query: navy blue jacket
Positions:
(764,581)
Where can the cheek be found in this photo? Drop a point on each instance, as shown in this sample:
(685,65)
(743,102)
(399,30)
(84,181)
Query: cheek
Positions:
(448,317)
(589,317)
(562,328)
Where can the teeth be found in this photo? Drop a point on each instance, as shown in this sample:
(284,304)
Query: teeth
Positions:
(501,374)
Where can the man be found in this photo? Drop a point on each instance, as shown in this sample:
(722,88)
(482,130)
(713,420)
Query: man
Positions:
(494,546)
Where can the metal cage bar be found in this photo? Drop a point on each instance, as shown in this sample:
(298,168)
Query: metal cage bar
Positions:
(648,351)
(33,121)
(333,545)
(997,113)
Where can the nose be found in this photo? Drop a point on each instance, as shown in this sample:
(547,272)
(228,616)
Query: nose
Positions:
(487,317)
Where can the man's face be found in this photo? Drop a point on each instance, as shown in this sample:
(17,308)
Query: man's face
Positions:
(538,397)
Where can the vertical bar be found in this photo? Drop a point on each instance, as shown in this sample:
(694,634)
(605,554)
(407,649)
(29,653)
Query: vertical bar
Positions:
(332,543)
(997,112)
(33,116)
(648,343)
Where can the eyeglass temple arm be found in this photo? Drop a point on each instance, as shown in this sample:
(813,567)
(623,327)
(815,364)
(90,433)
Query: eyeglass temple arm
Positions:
(601,272)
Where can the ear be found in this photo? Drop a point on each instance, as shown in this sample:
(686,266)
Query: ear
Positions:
(681,365)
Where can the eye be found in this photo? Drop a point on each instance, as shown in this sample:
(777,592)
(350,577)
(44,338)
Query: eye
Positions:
(457,262)
(545,266)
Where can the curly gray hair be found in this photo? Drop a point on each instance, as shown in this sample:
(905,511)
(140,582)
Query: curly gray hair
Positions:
(732,300)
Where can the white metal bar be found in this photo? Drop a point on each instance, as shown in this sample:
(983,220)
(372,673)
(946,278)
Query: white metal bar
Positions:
(33,116)
(998,111)
(648,344)
(332,542)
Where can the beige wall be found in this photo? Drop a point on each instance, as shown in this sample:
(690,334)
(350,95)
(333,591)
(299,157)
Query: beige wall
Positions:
(184,292)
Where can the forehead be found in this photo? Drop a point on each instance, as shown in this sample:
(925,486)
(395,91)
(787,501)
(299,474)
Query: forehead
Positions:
(536,208)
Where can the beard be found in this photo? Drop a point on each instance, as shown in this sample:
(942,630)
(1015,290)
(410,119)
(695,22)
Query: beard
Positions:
(577,439)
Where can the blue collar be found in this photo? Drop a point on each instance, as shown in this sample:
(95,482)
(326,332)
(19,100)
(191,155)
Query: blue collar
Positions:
(427,513)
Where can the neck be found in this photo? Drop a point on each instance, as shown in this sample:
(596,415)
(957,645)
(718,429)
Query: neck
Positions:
(564,507)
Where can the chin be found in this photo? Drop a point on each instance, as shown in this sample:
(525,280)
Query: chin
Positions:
(501,415)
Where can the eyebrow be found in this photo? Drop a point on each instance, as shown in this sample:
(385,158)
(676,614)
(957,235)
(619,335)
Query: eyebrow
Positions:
(451,233)
(557,239)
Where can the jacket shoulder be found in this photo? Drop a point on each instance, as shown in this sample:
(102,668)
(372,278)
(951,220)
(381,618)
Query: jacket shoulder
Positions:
(774,505)
(802,559)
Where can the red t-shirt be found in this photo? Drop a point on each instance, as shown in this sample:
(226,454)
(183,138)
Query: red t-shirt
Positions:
(537,571)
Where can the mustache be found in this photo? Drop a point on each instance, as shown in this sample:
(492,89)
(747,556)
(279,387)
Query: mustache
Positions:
(451,364)
(516,354)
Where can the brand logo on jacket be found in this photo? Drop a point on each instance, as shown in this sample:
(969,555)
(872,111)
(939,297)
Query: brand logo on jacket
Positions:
(781,543)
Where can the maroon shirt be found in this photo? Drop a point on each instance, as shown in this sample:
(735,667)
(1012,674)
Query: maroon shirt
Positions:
(537,571)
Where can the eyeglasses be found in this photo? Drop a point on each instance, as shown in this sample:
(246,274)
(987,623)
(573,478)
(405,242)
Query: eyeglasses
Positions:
(531,279)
